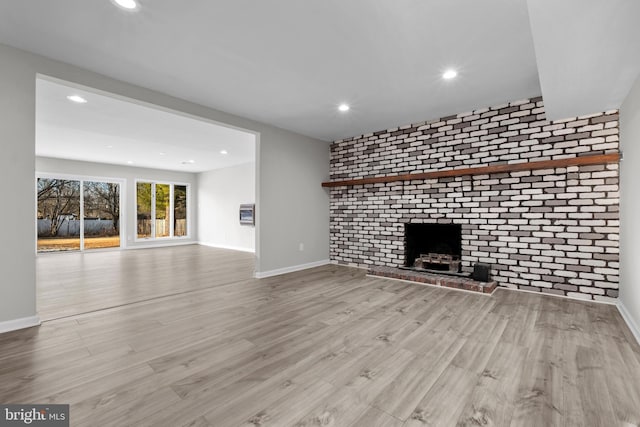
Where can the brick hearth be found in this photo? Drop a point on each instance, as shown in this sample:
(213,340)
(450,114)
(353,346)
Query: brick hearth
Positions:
(435,279)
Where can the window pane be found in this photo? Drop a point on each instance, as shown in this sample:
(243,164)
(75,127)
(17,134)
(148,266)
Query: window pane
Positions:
(180,210)
(163,209)
(143,198)
(101,215)
(58,215)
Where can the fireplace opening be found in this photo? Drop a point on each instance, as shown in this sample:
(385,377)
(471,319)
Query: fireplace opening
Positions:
(433,247)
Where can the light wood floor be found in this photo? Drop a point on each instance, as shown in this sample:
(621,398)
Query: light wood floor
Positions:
(325,347)
(74,283)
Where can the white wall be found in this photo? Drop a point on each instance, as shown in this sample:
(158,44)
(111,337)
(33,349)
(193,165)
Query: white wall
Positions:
(629,300)
(130,174)
(292,206)
(220,193)
(17,165)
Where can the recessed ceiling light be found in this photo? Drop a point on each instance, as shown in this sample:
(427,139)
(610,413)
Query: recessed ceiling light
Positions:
(77,99)
(162,153)
(188,162)
(224,152)
(343,107)
(449,74)
(129,162)
(127,4)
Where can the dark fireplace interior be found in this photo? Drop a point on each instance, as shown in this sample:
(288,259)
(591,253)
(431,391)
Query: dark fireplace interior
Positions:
(442,239)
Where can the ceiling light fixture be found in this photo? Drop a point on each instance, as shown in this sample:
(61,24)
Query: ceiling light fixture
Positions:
(224,152)
(188,162)
(127,4)
(449,74)
(162,153)
(129,162)
(77,99)
(343,107)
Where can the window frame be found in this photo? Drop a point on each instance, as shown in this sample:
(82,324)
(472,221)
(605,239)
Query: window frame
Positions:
(122,182)
(171,236)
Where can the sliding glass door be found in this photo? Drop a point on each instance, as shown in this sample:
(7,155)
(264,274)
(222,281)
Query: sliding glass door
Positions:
(58,220)
(77,215)
(101,215)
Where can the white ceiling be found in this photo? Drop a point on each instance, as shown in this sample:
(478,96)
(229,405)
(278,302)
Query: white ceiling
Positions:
(588,53)
(110,130)
(290,62)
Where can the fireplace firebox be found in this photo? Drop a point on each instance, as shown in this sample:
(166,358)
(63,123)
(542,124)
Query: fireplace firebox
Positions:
(433,246)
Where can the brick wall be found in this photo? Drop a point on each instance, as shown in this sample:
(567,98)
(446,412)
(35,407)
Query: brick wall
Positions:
(553,231)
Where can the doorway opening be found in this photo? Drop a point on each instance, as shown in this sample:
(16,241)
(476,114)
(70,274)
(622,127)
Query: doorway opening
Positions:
(117,173)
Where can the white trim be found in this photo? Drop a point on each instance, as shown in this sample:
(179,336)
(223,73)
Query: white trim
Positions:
(75,251)
(74,177)
(631,323)
(172,242)
(257,213)
(15,324)
(171,185)
(557,296)
(82,218)
(285,270)
(233,248)
(122,182)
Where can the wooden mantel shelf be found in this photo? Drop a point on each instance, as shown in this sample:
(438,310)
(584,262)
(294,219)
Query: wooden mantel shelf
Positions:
(597,159)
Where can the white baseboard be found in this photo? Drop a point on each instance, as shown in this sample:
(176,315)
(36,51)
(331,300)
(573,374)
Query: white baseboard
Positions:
(160,244)
(635,329)
(15,324)
(279,271)
(595,301)
(233,248)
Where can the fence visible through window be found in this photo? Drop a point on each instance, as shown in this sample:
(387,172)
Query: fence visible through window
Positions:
(77,214)
(161,210)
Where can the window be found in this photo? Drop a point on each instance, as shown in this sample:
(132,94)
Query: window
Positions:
(77,214)
(161,210)
(143,197)
(101,226)
(58,215)
(180,210)
(163,206)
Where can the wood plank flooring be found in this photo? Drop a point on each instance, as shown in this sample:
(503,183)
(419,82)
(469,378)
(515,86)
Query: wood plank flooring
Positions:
(74,283)
(322,347)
